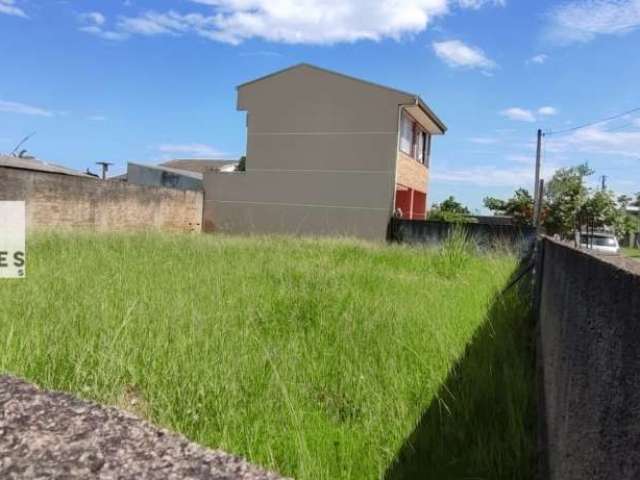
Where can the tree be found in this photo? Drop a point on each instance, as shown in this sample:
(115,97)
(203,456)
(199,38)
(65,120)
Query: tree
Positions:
(568,205)
(624,201)
(627,221)
(565,197)
(242,164)
(519,207)
(602,211)
(450,210)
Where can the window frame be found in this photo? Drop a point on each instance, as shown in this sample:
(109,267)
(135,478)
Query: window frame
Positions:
(416,131)
(406,117)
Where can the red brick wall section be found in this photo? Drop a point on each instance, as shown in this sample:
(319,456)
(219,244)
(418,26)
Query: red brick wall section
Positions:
(403,202)
(419,206)
(66,202)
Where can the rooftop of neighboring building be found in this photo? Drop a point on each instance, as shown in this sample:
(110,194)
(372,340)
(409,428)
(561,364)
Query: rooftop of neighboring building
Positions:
(36,165)
(199,165)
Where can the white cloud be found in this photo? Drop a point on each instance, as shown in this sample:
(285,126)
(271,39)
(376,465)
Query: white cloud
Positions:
(94,22)
(97,118)
(582,21)
(457,54)
(596,139)
(521,158)
(9,7)
(518,114)
(476,4)
(190,150)
(286,21)
(24,109)
(493,175)
(95,18)
(547,111)
(539,59)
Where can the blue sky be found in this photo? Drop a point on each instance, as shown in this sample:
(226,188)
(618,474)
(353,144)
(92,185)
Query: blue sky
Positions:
(146,80)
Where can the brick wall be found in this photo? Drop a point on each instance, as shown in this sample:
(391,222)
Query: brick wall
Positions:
(411,173)
(63,201)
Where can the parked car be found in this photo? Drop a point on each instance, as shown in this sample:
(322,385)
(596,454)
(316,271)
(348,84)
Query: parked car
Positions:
(600,242)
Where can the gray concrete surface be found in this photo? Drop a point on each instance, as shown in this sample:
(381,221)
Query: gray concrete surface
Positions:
(160,176)
(589,362)
(50,435)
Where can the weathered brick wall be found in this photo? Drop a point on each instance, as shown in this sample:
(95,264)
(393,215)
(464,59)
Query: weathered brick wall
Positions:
(411,173)
(62,201)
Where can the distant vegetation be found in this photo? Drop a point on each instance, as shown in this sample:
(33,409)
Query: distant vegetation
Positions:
(568,203)
(314,358)
(450,210)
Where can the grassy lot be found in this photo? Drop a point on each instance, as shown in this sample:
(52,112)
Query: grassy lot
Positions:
(632,252)
(320,359)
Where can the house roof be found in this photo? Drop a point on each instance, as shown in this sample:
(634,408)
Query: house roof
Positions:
(416,98)
(185,173)
(198,165)
(33,164)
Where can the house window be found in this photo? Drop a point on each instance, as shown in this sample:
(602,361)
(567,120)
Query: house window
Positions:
(427,150)
(414,141)
(420,147)
(406,134)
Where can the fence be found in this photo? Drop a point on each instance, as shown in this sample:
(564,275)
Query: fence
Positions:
(434,233)
(63,201)
(589,365)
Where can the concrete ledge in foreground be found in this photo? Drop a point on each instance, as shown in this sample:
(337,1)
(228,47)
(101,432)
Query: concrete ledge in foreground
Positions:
(47,435)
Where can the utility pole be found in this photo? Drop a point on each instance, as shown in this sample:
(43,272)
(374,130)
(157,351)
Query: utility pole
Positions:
(536,192)
(538,207)
(105,168)
(604,182)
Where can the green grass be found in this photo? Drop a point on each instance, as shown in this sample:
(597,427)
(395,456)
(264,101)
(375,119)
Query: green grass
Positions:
(631,252)
(316,358)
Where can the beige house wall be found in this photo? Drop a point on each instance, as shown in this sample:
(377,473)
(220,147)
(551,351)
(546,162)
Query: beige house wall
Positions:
(304,203)
(321,158)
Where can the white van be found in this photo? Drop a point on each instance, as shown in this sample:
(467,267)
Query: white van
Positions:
(600,242)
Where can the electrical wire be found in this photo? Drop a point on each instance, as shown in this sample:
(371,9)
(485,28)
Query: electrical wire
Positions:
(590,124)
(622,127)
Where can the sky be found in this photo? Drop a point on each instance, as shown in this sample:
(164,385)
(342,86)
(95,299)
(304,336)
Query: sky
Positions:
(149,80)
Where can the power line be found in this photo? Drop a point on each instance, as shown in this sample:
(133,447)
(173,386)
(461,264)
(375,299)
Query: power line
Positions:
(590,124)
(622,127)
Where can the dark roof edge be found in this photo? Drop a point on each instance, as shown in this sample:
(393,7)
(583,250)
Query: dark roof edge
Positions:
(431,115)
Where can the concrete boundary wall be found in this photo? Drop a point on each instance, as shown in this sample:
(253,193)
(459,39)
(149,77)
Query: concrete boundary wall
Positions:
(589,365)
(434,233)
(56,201)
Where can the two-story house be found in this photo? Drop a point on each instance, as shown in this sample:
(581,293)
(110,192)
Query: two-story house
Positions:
(327,154)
